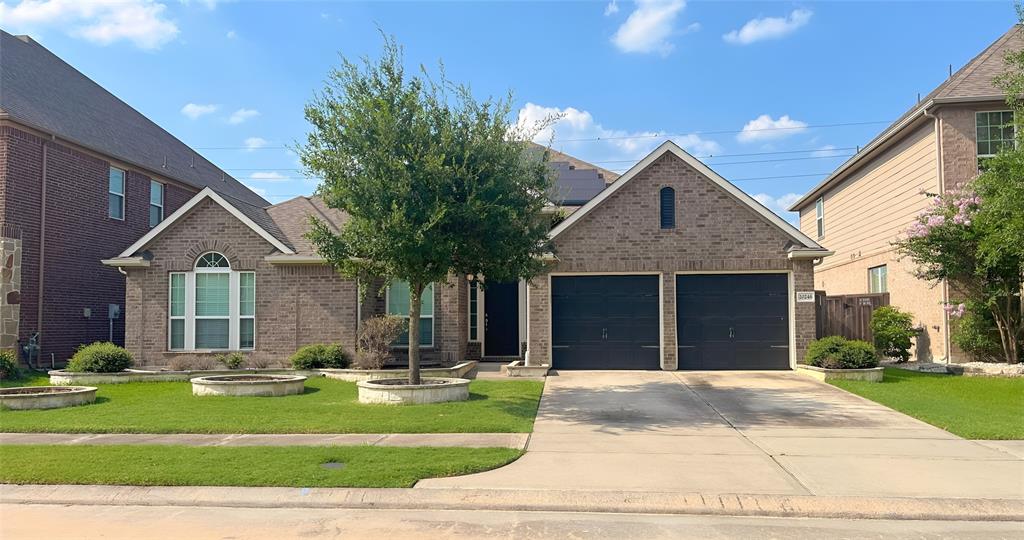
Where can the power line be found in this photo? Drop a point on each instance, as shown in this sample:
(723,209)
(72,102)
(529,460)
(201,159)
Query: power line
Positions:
(621,137)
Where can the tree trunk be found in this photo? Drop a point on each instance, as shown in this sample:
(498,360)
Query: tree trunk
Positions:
(415,300)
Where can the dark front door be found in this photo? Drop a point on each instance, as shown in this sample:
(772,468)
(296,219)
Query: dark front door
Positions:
(501,319)
(733,321)
(605,322)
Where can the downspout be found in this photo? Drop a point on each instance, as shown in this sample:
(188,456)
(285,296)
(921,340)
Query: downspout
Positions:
(42,250)
(940,172)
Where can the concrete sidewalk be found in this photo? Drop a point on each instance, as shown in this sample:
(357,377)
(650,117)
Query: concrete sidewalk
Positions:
(467,440)
(769,433)
(620,502)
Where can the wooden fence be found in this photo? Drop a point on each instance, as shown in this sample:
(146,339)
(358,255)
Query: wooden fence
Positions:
(848,316)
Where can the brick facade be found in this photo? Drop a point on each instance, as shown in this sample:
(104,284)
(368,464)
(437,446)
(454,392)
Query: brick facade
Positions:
(714,233)
(960,141)
(296,305)
(78,234)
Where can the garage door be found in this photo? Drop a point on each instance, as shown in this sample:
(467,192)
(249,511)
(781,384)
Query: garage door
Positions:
(733,321)
(605,322)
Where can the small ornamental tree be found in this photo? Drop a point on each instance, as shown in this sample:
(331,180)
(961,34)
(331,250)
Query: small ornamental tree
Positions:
(946,242)
(434,182)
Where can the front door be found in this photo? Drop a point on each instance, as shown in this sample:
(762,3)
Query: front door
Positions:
(501,319)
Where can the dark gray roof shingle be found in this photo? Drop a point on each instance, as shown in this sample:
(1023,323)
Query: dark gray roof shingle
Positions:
(42,91)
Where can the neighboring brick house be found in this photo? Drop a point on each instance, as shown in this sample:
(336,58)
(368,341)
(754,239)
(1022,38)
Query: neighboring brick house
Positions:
(82,175)
(869,201)
(668,249)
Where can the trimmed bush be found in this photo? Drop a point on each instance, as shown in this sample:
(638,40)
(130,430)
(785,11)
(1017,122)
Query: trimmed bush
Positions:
(892,331)
(100,357)
(232,360)
(321,355)
(8,365)
(375,338)
(837,352)
(976,334)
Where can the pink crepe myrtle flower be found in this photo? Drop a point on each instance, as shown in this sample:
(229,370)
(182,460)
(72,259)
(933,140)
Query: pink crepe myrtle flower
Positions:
(955,310)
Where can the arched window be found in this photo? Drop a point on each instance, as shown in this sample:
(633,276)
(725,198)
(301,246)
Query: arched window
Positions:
(668,208)
(212,307)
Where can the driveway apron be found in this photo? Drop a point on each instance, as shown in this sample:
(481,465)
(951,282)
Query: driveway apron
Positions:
(739,432)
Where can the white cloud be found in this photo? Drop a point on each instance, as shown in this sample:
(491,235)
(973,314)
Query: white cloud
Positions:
(769,28)
(828,150)
(780,204)
(195,110)
(231,34)
(141,22)
(612,8)
(764,128)
(262,192)
(692,27)
(241,115)
(616,149)
(252,143)
(648,28)
(268,176)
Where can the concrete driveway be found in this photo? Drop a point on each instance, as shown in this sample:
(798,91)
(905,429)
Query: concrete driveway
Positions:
(740,432)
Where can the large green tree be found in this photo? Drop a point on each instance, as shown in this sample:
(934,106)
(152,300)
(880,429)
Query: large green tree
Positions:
(435,182)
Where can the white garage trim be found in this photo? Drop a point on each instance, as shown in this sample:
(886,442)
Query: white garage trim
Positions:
(791,301)
(661,309)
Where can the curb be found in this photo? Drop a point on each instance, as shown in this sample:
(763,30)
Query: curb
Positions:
(621,502)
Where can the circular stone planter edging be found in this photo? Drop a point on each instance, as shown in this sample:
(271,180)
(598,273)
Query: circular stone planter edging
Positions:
(398,392)
(248,385)
(46,397)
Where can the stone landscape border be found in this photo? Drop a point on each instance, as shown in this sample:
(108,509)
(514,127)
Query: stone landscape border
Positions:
(825,374)
(249,385)
(433,390)
(463,370)
(46,397)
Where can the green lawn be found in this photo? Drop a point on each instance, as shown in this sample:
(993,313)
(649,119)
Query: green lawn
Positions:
(327,406)
(364,466)
(971,407)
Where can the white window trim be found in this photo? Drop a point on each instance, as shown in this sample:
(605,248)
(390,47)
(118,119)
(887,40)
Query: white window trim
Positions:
(163,192)
(241,317)
(433,327)
(124,185)
(819,216)
(469,312)
(871,279)
(977,114)
(234,309)
(182,317)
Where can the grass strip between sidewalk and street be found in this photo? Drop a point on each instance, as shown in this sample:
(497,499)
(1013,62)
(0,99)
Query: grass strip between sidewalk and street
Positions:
(361,466)
(970,407)
(327,406)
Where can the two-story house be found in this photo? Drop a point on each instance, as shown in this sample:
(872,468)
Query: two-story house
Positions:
(871,199)
(82,175)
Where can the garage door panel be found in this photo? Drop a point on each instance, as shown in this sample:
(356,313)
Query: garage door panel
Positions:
(605,322)
(733,321)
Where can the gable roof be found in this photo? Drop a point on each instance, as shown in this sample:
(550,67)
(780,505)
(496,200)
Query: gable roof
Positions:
(805,243)
(973,82)
(44,92)
(256,218)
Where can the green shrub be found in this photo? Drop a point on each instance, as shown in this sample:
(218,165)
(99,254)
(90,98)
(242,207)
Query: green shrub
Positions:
(8,365)
(837,352)
(977,335)
(892,330)
(320,355)
(100,357)
(232,360)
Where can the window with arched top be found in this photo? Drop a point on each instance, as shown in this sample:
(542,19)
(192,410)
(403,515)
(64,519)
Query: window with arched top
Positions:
(668,208)
(212,307)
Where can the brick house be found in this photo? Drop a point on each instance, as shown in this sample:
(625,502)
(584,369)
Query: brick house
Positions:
(667,267)
(869,201)
(82,174)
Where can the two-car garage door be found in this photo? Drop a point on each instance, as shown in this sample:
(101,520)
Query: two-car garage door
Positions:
(723,321)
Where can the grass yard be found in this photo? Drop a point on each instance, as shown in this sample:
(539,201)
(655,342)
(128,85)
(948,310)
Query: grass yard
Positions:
(971,407)
(364,466)
(327,406)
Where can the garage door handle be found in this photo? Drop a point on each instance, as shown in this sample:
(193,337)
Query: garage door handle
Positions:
(780,346)
(559,346)
(650,346)
(687,347)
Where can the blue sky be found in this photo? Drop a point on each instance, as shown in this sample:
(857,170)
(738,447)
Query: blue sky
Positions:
(231,78)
